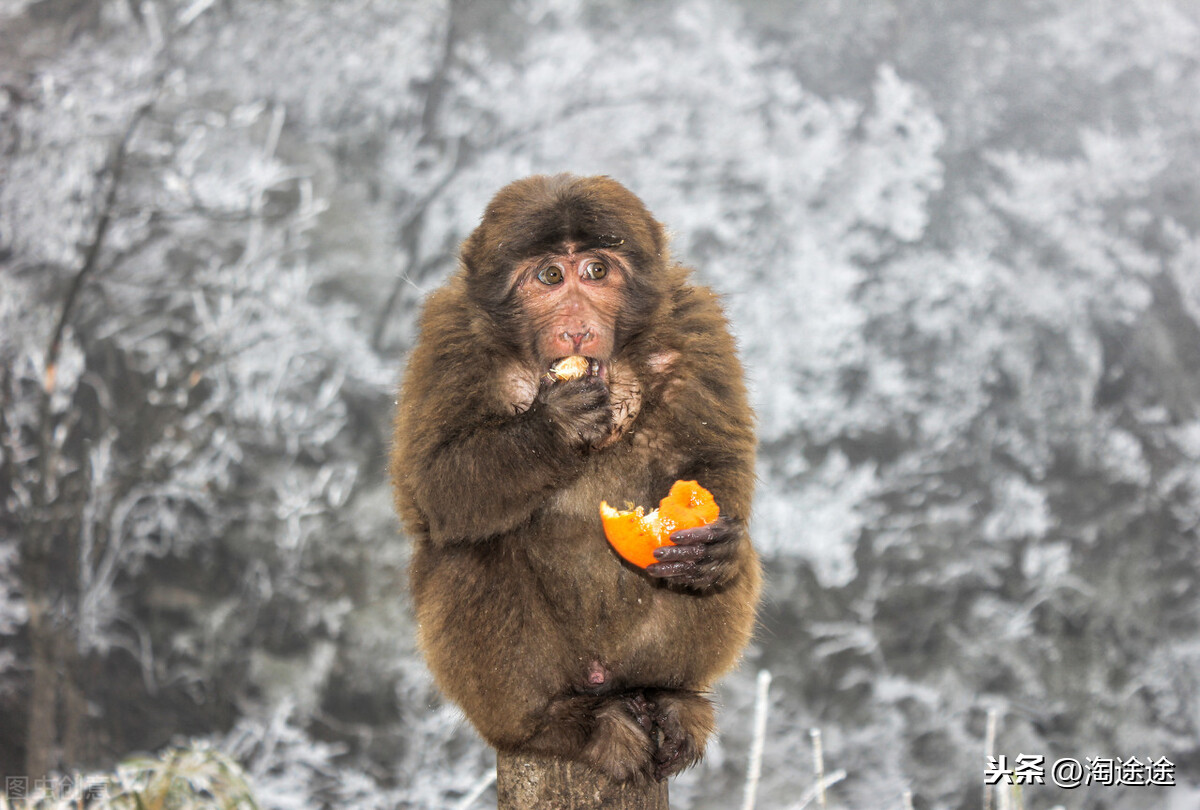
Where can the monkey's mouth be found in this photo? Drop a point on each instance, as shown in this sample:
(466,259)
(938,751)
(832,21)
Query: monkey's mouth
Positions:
(596,368)
(574,367)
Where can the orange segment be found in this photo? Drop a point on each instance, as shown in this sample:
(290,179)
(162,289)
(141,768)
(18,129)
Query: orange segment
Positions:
(635,533)
(570,368)
(687,506)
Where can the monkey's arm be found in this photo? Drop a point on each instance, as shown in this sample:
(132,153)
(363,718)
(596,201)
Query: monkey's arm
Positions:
(465,467)
(503,468)
(712,422)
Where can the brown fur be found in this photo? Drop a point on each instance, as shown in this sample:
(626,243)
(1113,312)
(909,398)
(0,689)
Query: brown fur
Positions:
(522,604)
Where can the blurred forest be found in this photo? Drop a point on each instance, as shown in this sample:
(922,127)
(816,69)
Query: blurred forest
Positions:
(959,242)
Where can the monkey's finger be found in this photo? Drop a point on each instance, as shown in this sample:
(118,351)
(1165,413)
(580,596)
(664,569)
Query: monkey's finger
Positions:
(671,570)
(699,535)
(642,711)
(693,553)
(719,529)
(568,388)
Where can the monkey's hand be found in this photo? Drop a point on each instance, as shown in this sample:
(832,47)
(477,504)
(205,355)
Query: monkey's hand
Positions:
(578,410)
(702,558)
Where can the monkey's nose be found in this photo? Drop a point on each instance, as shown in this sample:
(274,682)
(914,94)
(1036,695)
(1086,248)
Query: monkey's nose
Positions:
(579,338)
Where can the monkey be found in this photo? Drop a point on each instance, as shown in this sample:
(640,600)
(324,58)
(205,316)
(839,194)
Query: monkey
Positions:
(548,641)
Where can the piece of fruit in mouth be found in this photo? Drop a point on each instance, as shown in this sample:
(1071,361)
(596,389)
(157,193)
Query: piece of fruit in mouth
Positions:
(572,368)
(636,533)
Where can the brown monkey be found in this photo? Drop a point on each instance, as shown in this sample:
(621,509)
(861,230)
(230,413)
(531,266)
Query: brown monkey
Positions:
(548,641)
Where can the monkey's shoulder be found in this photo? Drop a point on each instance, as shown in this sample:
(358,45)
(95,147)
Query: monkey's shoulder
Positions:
(451,330)
(694,304)
(456,368)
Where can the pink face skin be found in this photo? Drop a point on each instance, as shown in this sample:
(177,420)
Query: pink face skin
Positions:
(571,301)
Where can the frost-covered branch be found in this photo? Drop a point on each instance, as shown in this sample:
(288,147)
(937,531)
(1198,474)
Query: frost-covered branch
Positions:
(114,171)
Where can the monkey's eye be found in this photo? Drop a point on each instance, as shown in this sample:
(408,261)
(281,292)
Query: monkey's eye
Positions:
(550,275)
(595,270)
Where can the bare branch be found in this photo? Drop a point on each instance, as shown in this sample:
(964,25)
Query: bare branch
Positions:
(116,168)
(754,766)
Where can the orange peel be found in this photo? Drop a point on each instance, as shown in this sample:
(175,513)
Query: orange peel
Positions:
(635,533)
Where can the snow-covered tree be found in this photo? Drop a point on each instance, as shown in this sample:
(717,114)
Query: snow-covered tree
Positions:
(959,247)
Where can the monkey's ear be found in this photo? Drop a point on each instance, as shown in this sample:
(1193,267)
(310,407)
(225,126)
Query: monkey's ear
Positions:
(658,237)
(488,267)
(478,251)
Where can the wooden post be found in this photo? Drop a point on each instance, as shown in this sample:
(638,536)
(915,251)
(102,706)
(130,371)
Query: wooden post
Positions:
(526,782)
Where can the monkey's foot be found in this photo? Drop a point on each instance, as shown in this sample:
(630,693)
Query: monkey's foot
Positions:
(619,744)
(684,721)
(642,711)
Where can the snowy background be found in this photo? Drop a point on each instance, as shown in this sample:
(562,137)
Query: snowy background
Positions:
(959,243)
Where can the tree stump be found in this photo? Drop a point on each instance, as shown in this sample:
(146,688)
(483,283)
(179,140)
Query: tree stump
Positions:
(526,782)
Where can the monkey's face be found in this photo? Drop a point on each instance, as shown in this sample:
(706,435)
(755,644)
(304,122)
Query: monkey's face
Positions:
(566,265)
(569,302)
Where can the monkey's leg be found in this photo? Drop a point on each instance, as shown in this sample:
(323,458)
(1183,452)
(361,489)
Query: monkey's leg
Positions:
(683,721)
(610,733)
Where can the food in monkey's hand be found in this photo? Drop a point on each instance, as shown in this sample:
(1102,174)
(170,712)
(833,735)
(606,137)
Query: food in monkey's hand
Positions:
(636,533)
(572,368)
